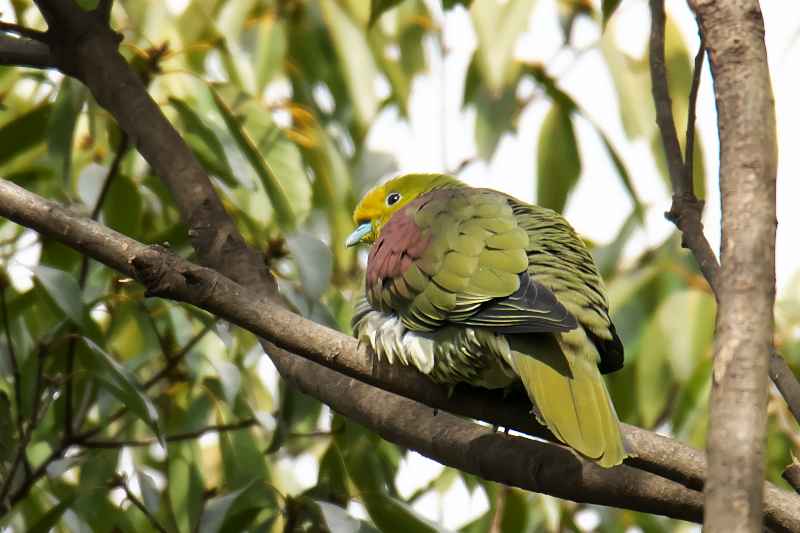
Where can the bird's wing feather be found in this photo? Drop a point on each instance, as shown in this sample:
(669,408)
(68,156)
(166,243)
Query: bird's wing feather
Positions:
(458,256)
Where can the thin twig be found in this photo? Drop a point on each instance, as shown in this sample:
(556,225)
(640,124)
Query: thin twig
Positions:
(792,475)
(499,509)
(663,102)
(121,482)
(22,31)
(13,357)
(70,369)
(37,414)
(178,357)
(112,444)
(688,163)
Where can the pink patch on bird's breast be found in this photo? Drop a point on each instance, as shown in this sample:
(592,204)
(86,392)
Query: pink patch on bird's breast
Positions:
(400,244)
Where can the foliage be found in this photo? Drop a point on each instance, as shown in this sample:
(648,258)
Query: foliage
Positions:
(109,392)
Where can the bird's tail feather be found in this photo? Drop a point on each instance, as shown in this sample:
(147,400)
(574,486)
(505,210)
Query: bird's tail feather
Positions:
(572,400)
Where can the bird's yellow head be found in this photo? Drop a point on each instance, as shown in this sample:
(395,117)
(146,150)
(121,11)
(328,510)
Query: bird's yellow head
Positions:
(383,201)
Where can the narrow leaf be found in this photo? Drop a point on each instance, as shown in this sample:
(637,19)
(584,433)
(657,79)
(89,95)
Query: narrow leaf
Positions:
(378,8)
(356,61)
(61,127)
(204,143)
(230,378)
(314,262)
(216,510)
(151,496)
(558,161)
(638,207)
(48,520)
(63,289)
(122,384)
(275,159)
(23,132)
(609,6)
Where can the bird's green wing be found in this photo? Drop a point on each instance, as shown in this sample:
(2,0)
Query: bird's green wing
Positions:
(458,256)
(558,259)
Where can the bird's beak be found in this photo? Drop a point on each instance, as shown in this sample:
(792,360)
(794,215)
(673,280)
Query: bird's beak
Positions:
(360,232)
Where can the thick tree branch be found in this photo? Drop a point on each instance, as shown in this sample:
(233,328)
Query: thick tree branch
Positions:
(733,31)
(167,275)
(24,52)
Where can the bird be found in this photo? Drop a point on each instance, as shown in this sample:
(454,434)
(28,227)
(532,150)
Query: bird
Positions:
(471,285)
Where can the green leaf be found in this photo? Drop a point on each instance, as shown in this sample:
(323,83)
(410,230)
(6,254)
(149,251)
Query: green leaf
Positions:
(215,511)
(638,207)
(314,262)
(496,112)
(53,516)
(63,289)
(151,496)
(450,4)
(230,378)
(122,209)
(339,520)
(204,143)
(515,515)
(61,127)
(632,82)
(393,516)
(609,6)
(653,375)
(274,158)
(497,25)
(558,162)
(235,511)
(186,484)
(270,49)
(378,8)
(122,384)
(23,132)
(687,319)
(356,60)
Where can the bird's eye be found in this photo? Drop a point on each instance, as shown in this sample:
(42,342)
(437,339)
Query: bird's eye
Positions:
(393,198)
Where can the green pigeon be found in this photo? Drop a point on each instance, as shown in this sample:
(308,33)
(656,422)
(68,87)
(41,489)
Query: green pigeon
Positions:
(472,285)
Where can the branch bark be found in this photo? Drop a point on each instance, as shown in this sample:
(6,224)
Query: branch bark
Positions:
(733,31)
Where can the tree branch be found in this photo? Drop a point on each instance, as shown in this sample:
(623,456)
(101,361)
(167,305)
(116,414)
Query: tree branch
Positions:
(24,52)
(191,435)
(658,74)
(167,275)
(733,31)
(792,475)
(122,482)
